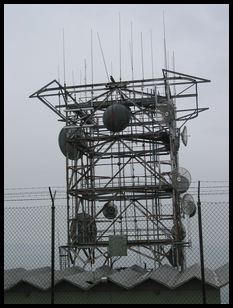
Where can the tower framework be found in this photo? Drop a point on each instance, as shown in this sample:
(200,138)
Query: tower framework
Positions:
(123,180)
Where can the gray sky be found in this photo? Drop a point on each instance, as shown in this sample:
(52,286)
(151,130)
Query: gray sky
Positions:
(198,35)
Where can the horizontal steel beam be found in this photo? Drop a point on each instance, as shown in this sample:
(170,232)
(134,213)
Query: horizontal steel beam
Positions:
(129,243)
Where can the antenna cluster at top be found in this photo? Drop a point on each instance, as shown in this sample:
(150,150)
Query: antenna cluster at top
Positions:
(119,60)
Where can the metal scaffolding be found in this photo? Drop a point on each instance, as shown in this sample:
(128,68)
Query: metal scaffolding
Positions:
(127,173)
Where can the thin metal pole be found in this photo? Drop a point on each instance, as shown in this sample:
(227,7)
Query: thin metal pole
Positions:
(92,57)
(142,57)
(58,73)
(73,82)
(64,67)
(120,43)
(168,59)
(173,67)
(201,246)
(85,77)
(92,71)
(151,48)
(131,49)
(52,243)
(80,78)
(105,66)
(85,72)
(164,42)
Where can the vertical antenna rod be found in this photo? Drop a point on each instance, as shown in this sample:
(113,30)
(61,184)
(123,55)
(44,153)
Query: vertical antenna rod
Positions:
(85,75)
(131,49)
(103,57)
(168,59)
(85,71)
(64,67)
(92,71)
(151,48)
(142,58)
(80,78)
(120,43)
(173,67)
(164,43)
(58,76)
(73,82)
(91,58)
(58,73)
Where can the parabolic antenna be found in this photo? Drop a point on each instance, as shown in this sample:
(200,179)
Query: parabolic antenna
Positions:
(188,205)
(167,112)
(70,143)
(184,136)
(110,210)
(83,229)
(175,258)
(181,179)
(182,231)
(116,117)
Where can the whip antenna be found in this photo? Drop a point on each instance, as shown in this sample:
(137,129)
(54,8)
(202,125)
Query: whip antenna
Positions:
(103,57)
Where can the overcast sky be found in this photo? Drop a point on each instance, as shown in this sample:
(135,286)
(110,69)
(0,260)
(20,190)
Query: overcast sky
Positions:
(198,35)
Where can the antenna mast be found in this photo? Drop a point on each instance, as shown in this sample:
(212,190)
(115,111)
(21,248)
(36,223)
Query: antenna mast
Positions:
(92,73)
(120,42)
(58,73)
(164,42)
(85,75)
(64,67)
(152,62)
(142,57)
(173,67)
(103,57)
(131,48)
(121,145)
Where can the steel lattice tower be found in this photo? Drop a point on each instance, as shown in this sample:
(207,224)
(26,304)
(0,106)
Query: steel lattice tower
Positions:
(123,180)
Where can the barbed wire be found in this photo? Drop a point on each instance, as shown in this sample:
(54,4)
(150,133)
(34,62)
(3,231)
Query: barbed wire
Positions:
(32,193)
(37,199)
(34,207)
(64,191)
(64,205)
(45,187)
(27,196)
(215,202)
(35,187)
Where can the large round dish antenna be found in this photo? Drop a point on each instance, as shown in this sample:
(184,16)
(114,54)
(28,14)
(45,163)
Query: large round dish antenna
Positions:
(184,136)
(83,229)
(70,143)
(181,230)
(181,179)
(116,117)
(165,112)
(110,210)
(188,205)
(175,257)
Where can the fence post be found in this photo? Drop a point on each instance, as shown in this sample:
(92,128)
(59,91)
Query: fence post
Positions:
(201,246)
(52,243)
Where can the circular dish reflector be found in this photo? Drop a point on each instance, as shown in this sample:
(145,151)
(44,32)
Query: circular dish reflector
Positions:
(71,143)
(188,205)
(116,117)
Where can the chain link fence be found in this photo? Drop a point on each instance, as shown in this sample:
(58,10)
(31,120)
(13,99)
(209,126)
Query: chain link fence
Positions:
(27,246)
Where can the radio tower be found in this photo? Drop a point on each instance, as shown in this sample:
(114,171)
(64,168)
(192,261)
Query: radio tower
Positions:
(126,192)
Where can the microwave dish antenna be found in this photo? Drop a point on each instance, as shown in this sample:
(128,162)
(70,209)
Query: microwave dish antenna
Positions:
(188,205)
